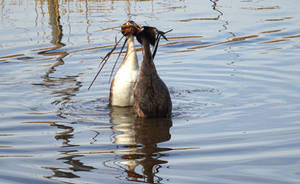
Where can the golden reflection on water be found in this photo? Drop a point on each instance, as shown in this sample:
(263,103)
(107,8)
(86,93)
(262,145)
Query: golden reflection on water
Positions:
(11,147)
(55,9)
(234,39)
(137,152)
(6,134)
(261,8)
(62,84)
(40,122)
(279,19)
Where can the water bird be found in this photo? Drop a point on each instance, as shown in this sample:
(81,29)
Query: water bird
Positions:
(151,95)
(141,88)
(123,83)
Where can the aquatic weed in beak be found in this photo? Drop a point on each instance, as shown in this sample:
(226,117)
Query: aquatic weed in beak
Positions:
(130,27)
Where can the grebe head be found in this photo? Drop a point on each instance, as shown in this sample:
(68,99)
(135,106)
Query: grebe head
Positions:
(130,28)
(150,33)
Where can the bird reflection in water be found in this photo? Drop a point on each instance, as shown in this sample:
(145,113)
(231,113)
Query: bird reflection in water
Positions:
(67,156)
(62,87)
(140,137)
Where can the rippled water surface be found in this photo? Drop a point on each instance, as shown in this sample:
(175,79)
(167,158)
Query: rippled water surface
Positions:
(232,67)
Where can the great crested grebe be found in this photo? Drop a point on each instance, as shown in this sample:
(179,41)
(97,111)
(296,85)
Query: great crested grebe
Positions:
(151,95)
(121,89)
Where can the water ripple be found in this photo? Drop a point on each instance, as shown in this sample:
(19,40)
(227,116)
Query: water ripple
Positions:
(231,67)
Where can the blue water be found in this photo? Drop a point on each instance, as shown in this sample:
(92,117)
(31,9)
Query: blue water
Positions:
(232,68)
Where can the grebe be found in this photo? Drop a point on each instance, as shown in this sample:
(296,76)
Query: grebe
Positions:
(151,95)
(121,89)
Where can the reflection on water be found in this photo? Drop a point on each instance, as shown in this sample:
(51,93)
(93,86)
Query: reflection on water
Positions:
(67,157)
(137,156)
(233,72)
(65,93)
(54,22)
(141,138)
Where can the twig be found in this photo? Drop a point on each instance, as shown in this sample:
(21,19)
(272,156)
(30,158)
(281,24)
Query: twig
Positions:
(104,61)
(159,35)
(117,60)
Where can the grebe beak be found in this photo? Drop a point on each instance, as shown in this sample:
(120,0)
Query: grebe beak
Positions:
(130,28)
(159,35)
(153,35)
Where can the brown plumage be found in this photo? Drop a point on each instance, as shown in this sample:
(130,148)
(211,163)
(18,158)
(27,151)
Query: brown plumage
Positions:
(151,95)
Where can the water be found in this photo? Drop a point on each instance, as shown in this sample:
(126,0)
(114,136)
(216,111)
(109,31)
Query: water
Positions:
(232,68)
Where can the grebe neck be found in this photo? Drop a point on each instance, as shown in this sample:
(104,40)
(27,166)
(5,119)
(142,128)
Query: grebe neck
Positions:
(131,56)
(147,56)
(147,66)
(130,41)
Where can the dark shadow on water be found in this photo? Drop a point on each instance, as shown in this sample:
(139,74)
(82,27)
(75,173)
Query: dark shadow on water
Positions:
(57,35)
(143,157)
(63,87)
(66,156)
(137,155)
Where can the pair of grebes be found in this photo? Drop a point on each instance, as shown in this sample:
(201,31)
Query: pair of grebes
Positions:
(141,87)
